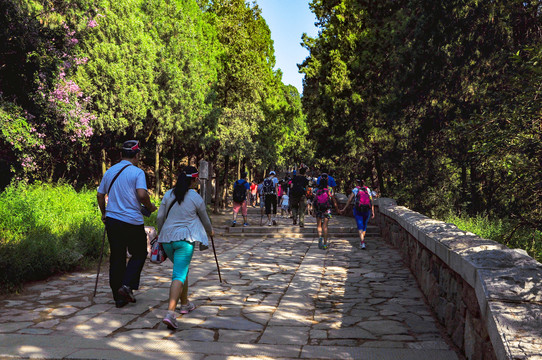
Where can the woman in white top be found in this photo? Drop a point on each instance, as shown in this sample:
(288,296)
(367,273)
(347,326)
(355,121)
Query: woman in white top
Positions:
(182,221)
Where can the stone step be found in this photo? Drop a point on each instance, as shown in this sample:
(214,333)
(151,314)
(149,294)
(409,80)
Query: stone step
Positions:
(291,231)
(295,229)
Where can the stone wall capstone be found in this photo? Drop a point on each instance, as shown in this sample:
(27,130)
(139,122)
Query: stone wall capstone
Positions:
(487,296)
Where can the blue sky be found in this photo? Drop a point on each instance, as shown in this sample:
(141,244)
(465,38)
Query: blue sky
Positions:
(288,20)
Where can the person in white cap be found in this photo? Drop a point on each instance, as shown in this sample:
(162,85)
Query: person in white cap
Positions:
(269,190)
(126,186)
(182,221)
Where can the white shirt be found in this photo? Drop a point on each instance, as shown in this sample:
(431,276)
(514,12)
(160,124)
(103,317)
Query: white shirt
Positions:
(122,203)
(188,221)
(285,200)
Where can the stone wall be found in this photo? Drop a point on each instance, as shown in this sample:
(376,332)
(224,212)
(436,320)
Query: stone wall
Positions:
(487,296)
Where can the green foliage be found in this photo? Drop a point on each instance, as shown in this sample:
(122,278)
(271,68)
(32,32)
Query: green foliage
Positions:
(437,103)
(504,231)
(46,229)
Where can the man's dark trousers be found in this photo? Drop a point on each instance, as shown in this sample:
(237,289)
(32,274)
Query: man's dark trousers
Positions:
(123,236)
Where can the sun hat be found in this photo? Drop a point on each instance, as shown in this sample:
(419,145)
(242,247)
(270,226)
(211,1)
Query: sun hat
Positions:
(272,173)
(131,145)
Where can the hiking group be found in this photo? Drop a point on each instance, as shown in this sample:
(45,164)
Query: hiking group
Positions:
(182,219)
(300,195)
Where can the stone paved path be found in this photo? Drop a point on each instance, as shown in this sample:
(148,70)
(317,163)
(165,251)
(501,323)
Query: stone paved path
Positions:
(281,298)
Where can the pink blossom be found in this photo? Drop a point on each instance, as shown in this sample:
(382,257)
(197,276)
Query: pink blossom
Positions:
(92,23)
(81,61)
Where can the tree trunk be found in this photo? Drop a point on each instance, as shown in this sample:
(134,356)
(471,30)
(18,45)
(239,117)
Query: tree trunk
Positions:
(104,163)
(239,166)
(476,199)
(217,188)
(463,191)
(224,182)
(157,168)
(172,172)
(379,176)
(172,167)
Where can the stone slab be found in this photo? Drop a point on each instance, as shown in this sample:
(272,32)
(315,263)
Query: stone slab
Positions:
(360,353)
(32,352)
(285,335)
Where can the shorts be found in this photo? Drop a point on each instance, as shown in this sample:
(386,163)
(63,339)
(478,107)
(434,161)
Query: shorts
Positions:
(362,219)
(326,214)
(242,206)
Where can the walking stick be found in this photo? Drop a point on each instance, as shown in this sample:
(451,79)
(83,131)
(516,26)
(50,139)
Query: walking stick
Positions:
(99,264)
(216,259)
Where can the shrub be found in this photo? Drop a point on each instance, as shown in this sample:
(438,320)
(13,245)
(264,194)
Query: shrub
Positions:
(46,229)
(504,231)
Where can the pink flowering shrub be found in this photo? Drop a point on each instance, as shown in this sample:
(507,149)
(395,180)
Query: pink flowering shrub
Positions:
(67,103)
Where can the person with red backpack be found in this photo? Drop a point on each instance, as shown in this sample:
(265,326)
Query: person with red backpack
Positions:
(363,207)
(322,202)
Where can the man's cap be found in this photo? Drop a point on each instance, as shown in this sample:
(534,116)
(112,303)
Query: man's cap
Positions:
(131,145)
(324,176)
(272,173)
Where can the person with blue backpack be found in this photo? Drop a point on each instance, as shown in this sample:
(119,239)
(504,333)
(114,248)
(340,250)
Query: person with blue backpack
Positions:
(323,202)
(241,191)
(363,208)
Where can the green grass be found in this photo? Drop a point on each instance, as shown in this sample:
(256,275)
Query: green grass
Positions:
(503,231)
(47,229)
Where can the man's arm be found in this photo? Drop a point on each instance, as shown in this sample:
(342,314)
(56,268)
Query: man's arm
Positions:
(145,199)
(101,204)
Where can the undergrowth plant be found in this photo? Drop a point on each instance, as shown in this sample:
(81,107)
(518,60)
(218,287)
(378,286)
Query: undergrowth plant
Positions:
(504,231)
(46,229)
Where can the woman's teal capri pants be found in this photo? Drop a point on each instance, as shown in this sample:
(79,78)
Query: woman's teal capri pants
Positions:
(180,253)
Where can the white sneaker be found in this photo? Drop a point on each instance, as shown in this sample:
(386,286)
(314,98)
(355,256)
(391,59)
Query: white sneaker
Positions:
(170,322)
(363,245)
(185,309)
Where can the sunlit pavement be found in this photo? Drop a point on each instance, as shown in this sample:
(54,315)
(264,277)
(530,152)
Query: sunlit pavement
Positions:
(281,297)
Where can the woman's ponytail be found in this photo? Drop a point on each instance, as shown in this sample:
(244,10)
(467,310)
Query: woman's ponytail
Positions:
(184,181)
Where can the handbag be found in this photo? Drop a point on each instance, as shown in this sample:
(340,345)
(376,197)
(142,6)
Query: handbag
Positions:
(158,255)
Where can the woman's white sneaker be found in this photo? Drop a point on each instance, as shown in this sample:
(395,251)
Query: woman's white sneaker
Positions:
(170,321)
(185,309)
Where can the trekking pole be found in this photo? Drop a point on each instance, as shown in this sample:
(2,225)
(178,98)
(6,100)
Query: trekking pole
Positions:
(99,264)
(216,259)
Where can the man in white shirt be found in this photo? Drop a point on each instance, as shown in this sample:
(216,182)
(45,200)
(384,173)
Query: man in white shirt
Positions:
(126,186)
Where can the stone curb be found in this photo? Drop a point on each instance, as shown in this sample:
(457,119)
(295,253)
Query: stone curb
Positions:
(506,281)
